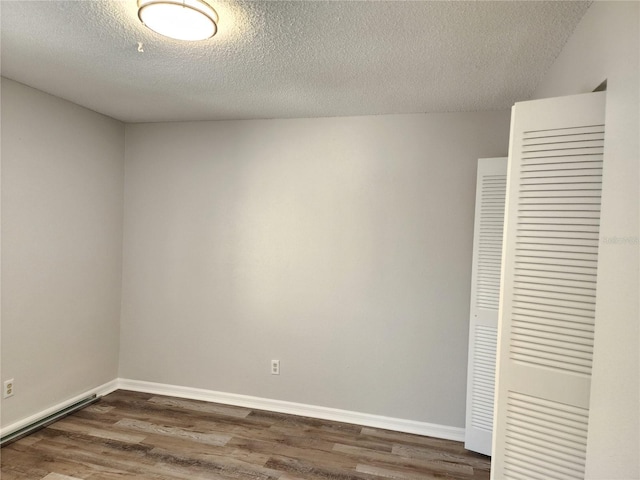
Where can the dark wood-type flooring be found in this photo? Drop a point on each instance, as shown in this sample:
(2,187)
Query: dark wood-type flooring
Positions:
(135,435)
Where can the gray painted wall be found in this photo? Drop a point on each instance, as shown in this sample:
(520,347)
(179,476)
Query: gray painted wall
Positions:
(62,190)
(340,246)
(605,45)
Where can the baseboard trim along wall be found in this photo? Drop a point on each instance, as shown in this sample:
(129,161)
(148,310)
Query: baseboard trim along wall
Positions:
(280,406)
(102,390)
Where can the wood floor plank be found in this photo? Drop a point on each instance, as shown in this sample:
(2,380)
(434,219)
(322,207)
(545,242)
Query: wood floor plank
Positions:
(310,470)
(99,408)
(217,439)
(310,455)
(19,464)
(224,466)
(471,459)
(380,472)
(72,424)
(58,476)
(406,464)
(198,406)
(332,437)
(133,435)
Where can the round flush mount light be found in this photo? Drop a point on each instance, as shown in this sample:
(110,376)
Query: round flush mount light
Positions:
(179,19)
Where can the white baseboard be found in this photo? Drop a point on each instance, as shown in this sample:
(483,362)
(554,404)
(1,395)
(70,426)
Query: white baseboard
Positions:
(104,389)
(324,413)
(280,406)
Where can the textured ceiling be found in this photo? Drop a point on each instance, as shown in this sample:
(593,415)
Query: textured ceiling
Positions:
(274,59)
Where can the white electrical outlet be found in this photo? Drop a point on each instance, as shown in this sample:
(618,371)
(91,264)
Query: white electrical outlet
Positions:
(275,367)
(8,388)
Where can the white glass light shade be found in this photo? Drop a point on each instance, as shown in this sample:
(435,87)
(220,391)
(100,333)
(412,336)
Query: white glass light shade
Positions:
(179,19)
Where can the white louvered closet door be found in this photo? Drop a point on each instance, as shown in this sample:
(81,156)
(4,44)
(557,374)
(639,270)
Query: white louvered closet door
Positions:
(546,329)
(485,295)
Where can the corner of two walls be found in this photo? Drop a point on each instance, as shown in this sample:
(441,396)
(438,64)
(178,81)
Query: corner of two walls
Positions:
(62,190)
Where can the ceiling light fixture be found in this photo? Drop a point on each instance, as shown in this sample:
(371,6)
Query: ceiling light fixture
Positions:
(179,19)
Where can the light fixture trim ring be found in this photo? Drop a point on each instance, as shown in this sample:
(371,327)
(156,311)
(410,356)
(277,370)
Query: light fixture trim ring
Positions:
(207,10)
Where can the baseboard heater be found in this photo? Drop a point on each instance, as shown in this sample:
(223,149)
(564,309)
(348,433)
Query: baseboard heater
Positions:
(48,420)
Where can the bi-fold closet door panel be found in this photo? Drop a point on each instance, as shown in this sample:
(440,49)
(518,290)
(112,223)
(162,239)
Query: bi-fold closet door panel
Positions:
(485,295)
(549,280)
